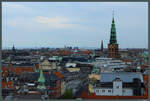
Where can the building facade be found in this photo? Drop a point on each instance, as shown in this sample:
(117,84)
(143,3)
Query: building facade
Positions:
(119,84)
(46,65)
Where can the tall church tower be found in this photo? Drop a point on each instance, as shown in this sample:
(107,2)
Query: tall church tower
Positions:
(13,49)
(102,47)
(113,46)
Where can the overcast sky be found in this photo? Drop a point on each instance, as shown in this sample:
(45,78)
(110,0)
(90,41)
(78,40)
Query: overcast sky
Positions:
(82,24)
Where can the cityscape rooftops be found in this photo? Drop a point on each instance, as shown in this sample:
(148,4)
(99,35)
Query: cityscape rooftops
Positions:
(109,63)
(124,76)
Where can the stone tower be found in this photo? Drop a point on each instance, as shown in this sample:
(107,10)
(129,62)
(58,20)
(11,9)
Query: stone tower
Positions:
(113,46)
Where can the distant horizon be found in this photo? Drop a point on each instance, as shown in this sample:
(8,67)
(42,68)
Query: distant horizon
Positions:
(64,47)
(79,24)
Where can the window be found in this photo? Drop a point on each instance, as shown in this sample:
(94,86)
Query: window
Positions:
(97,90)
(109,90)
(103,90)
(124,90)
(117,86)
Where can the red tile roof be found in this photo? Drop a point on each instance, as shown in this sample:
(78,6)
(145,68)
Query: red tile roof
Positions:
(17,70)
(7,84)
(144,66)
(59,75)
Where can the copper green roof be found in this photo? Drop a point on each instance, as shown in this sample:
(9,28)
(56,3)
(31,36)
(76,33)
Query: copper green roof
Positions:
(95,69)
(41,81)
(41,78)
(145,54)
(113,39)
(9,59)
(93,53)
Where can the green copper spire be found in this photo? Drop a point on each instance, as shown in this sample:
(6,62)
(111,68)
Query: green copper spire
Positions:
(93,53)
(113,39)
(145,57)
(9,59)
(41,81)
(95,69)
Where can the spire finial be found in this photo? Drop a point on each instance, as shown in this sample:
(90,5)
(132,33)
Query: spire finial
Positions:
(113,13)
(113,31)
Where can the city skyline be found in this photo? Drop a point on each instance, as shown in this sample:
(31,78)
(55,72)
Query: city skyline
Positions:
(80,24)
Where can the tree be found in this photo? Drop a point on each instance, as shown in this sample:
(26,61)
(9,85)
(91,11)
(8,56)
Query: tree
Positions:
(68,94)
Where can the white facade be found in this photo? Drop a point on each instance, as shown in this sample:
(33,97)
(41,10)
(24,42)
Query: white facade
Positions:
(116,90)
(109,64)
(71,64)
(127,92)
(110,92)
(117,87)
(103,91)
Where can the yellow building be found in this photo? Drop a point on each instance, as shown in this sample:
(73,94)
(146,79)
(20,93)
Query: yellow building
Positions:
(90,88)
(91,77)
(73,69)
(96,76)
(46,65)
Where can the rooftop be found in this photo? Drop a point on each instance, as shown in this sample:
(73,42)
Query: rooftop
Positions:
(124,76)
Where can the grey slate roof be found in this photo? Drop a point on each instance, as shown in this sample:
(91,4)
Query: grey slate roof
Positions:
(34,76)
(124,76)
(25,97)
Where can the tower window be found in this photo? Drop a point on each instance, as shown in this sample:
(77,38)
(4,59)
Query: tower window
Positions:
(103,90)
(109,90)
(117,86)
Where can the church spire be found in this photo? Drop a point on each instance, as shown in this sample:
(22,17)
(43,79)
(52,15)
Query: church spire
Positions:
(13,48)
(41,81)
(113,46)
(102,48)
(113,14)
(93,53)
(113,39)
